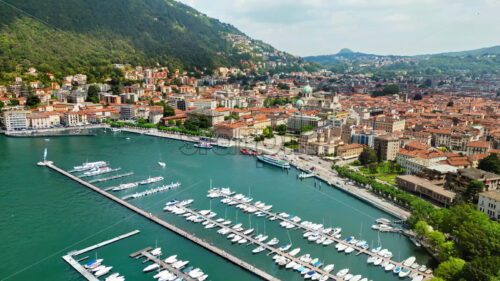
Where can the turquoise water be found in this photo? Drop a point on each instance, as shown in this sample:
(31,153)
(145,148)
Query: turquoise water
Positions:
(45,215)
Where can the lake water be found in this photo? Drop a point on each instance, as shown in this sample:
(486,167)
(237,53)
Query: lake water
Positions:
(44,215)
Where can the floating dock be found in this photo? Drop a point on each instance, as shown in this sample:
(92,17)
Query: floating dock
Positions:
(111,178)
(101,173)
(167,266)
(300,226)
(258,272)
(152,191)
(69,258)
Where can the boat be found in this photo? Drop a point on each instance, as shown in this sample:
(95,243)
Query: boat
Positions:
(285,247)
(125,186)
(151,267)
(273,160)
(204,145)
(294,252)
(97,171)
(378,261)
(423,268)
(162,164)
(349,250)
(376,249)
(342,272)
(248,231)
(156,252)
(396,270)
(328,268)
(103,271)
(371,259)
(389,267)
(258,249)
(151,180)
(93,263)
(348,277)
(89,165)
(417,278)
(383,221)
(404,272)
(171,259)
(273,241)
(356,277)
(409,261)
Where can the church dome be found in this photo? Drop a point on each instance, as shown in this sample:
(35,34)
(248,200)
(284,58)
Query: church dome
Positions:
(299,103)
(308,89)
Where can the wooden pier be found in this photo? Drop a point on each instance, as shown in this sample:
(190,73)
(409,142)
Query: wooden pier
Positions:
(69,258)
(111,178)
(262,274)
(167,266)
(300,226)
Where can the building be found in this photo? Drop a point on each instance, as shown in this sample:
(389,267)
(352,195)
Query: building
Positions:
(201,103)
(387,146)
(349,151)
(389,125)
(322,141)
(462,177)
(425,188)
(478,147)
(155,117)
(296,122)
(70,118)
(127,112)
(214,117)
(489,203)
(232,129)
(15,120)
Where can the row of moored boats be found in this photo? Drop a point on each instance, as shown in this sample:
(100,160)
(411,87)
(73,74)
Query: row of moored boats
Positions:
(175,264)
(96,267)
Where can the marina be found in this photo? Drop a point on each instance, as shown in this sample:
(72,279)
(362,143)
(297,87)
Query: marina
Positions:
(290,221)
(103,170)
(129,185)
(262,274)
(253,241)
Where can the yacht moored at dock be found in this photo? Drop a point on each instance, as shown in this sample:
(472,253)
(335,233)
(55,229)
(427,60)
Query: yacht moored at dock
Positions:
(274,160)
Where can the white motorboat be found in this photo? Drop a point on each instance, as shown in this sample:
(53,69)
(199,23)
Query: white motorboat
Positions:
(103,271)
(348,277)
(371,259)
(156,252)
(258,249)
(356,277)
(409,261)
(112,276)
(294,252)
(171,259)
(417,278)
(243,241)
(404,272)
(273,242)
(341,247)
(93,263)
(342,272)
(162,164)
(151,267)
(376,249)
(285,247)
(248,231)
(389,267)
(378,261)
(349,250)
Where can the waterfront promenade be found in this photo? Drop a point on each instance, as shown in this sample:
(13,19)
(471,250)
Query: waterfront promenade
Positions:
(260,273)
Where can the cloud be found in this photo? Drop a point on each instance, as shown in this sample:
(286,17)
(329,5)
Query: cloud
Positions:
(406,27)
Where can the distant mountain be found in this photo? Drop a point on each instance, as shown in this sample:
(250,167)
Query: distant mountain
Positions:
(495,50)
(88,36)
(485,60)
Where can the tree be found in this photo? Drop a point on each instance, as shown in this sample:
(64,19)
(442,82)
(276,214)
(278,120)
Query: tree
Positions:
(116,90)
(14,102)
(32,100)
(168,110)
(482,269)
(178,123)
(268,132)
(171,122)
(281,129)
(306,128)
(421,228)
(447,251)
(491,163)
(1,104)
(450,104)
(450,269)
(129,101)
(367,156)
(417,97)
(436,239)
(93,94)
(283,86)
(373,167)
(471,191)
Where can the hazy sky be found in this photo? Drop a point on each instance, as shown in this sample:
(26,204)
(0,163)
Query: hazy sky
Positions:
(402,27)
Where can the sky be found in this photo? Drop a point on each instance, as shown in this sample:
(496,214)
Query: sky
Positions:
(399,27)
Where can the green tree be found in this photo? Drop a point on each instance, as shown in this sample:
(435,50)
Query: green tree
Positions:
(367,156)
(1,105)
(283,86)
(32,100)
(472,190)
(482,269)
(116,90)
(373,167)
(93,94)
(171,122)
(14,102)
(436,239)
(306,128)
(178,123)
(129,101)
(447,250)
(450,104)
(168,110)
(268,132)
(450,269)
(491,163)
(421,228)
(281,129)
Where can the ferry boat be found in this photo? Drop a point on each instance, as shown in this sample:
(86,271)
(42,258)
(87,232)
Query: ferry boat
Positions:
(96,171)
(125,186)
(151,180)
(273,160)
(204,145)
